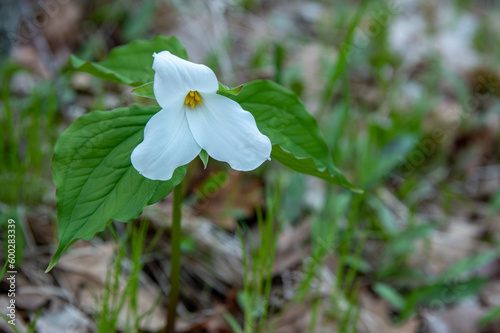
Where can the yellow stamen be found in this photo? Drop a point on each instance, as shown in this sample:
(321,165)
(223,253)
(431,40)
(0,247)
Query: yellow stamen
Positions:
(192,98)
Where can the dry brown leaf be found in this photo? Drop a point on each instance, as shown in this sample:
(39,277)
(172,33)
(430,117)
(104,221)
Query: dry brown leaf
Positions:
(237,196)
(374,317)
(490,294)
(66,319)
(462,318)
(91,262)
(296,319)
(459,240)
(32,298)
(211,321)
(4,327)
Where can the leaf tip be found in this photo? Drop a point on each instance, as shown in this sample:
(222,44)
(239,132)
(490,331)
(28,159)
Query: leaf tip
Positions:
(145,90)
(63,246)
(204,158)
(231,91)
(54,260)
(357,191)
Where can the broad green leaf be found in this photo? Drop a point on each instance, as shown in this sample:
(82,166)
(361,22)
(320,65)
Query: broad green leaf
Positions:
(131,63)
(302,165)
(95,179)
(281,116)
(164,188)
(231,91)
(146,90)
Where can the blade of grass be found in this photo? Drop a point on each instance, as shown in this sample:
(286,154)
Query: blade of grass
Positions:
(341,64)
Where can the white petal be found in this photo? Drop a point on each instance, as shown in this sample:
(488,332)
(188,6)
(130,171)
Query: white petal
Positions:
(168,144)
(228,133)
(175,78)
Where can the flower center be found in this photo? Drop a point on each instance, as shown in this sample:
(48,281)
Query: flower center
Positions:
(192,98)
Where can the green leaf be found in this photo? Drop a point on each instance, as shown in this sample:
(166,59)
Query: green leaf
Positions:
(231,320)
(302,165)
(390,294)
(467,265)
(403,242)
(131,63)
(146,90)
(95,179)
(440,294)
(490,316)
(231,91)
(379,164)
(281,116)
(204,157)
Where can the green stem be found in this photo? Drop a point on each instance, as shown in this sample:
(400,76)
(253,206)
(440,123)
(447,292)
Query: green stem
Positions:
(175,259)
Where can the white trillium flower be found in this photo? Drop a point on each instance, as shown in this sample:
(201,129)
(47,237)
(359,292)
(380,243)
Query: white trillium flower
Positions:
(194,117)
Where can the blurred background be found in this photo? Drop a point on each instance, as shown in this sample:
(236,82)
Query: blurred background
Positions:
(407,95)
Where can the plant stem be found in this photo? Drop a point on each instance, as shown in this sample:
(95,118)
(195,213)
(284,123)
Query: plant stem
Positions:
(175,259)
